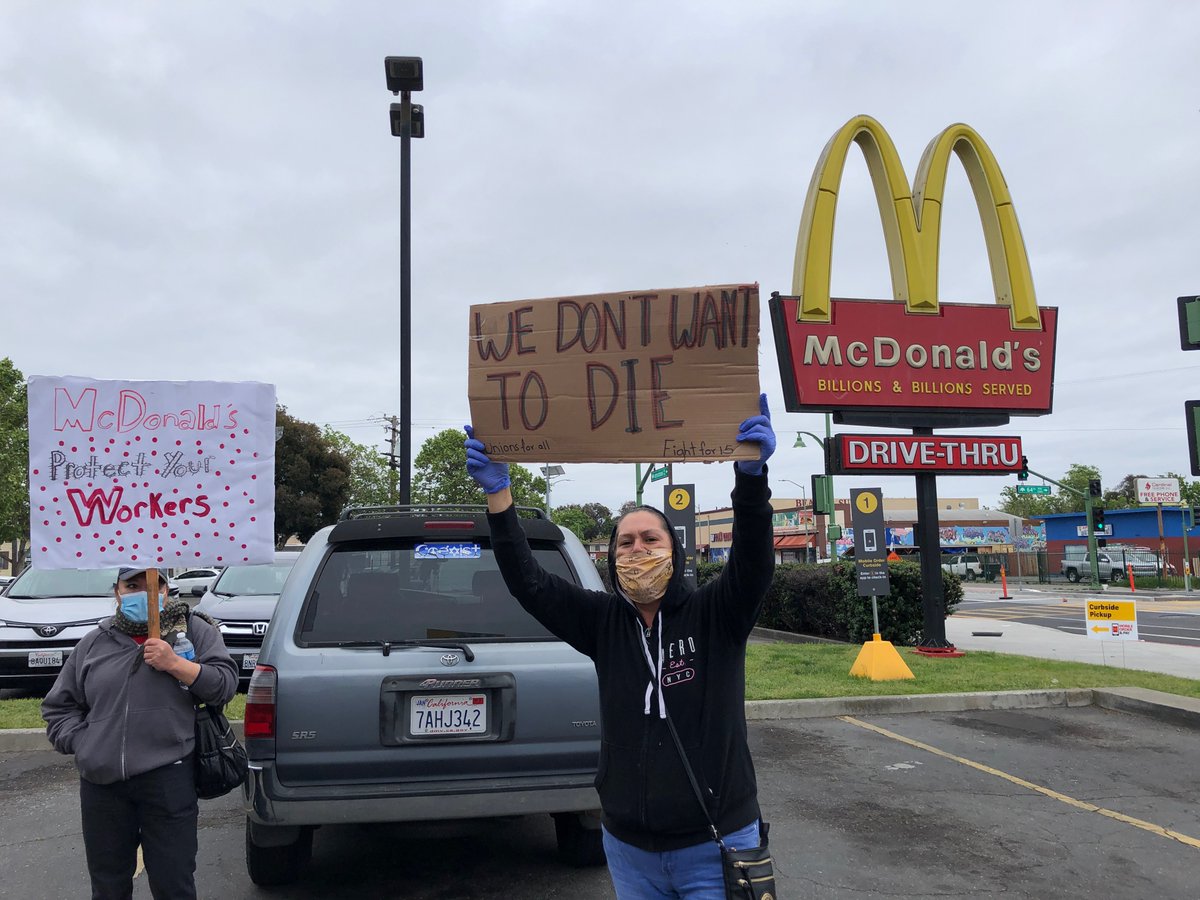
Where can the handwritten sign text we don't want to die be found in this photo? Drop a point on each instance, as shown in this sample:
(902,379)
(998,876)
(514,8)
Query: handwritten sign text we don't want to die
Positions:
(664,375)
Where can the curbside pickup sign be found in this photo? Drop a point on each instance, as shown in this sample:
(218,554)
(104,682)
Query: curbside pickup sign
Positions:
(1112,620)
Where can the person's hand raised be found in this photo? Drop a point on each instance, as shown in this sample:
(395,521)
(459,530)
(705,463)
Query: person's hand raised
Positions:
(757,429)
(491,476)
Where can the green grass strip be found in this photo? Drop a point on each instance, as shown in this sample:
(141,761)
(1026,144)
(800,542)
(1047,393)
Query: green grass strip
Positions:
(800,671)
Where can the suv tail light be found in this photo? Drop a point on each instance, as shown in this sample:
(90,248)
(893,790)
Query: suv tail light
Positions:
(259,719)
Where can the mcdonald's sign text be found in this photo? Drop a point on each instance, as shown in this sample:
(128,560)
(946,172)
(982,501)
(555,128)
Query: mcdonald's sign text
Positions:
(912,352)
(900,454)
(873,355)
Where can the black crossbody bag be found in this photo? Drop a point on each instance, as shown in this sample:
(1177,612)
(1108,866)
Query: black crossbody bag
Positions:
(749,874)
(220,761)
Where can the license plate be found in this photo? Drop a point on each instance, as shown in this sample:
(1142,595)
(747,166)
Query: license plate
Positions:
(448,714)
(40,658)
(250,660)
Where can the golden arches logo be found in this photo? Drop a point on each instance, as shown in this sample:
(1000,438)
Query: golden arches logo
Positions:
(912,221)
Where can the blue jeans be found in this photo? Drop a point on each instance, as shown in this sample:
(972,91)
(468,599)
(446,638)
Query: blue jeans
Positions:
(692,873)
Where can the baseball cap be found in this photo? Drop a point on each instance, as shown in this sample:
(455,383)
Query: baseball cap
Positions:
(131,571)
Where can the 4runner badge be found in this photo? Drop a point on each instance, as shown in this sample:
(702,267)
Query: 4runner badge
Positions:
(450,659)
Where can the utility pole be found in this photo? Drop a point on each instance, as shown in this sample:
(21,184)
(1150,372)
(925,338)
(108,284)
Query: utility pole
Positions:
(393,430)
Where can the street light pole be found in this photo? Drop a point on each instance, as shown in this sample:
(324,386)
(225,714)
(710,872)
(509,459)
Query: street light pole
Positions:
(404,75)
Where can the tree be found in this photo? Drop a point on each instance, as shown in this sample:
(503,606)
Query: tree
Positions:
(370,475)
(590,521)
(1062,501)
(312,479)
(440,475)
(627,506)
(1124,495)
(602,521)
(14,461)
(1027,506)
(571,516)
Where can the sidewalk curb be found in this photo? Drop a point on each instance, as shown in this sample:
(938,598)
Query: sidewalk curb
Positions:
(824,707)
(1172,708)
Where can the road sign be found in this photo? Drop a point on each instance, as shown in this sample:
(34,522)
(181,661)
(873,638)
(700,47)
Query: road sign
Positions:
(1112,620)
(870,545)
(1106,531)
(679,506)
(1158,490)
(1033,488)
(659,473)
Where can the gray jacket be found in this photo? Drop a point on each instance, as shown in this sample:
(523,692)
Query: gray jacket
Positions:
(119,716)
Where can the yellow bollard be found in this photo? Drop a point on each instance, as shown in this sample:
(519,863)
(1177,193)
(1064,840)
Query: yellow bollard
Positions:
(880,661)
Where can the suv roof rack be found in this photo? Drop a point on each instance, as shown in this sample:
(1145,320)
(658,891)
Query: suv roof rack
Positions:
(387,511)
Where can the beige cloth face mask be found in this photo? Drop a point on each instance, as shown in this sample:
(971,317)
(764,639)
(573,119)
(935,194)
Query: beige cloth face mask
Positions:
(644,576)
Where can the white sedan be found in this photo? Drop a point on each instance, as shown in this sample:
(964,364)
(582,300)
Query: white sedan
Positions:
(194,578)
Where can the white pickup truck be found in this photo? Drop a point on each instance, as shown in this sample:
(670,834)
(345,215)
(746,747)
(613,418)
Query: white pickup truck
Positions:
(1112,563)
(964,565)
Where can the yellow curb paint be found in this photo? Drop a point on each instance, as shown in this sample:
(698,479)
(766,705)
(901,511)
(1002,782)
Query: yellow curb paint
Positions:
(1021,782)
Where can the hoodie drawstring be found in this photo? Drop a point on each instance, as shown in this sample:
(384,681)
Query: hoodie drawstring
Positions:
(655,668)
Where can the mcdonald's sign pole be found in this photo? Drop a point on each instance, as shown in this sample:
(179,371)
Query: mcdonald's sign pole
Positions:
(913,362)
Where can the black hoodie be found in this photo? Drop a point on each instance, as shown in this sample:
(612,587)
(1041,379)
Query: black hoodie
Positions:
(698,641)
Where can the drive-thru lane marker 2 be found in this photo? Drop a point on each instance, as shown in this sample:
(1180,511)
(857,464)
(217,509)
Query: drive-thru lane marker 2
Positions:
(1021,782)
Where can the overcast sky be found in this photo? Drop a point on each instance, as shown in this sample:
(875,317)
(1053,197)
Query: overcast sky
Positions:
(210,191)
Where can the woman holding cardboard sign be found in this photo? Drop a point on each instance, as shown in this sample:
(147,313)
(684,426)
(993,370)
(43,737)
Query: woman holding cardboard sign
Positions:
(670,662)
(124,705)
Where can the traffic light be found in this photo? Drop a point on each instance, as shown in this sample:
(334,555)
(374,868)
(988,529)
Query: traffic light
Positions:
(1023,475)
(822,495)
(1094,487)
(1189,323)
(1191,410)
(1097,518)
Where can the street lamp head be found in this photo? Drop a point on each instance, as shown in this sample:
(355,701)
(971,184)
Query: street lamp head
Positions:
(416,119)
(404,73)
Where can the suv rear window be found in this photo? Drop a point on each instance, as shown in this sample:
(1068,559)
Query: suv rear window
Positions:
(416,590)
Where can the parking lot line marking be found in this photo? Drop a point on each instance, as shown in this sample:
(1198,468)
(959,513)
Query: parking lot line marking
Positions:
(1021,782)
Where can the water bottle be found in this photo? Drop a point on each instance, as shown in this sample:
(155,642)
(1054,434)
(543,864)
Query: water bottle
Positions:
(183,647)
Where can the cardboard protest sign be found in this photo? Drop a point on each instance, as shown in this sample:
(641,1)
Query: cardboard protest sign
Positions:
(664,375)
(158,473)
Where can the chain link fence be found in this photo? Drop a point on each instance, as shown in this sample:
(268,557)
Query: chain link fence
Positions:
(1149,568)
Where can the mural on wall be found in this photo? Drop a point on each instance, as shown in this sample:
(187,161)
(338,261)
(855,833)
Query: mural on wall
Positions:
(1030,537)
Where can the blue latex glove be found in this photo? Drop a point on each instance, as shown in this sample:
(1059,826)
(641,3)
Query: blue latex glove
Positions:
(757,428)
(491,476)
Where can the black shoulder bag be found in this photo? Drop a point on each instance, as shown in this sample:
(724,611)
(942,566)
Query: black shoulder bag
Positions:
(749,874)
(221,762)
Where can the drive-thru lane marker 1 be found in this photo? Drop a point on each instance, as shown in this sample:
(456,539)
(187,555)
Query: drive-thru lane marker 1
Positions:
(1021,782)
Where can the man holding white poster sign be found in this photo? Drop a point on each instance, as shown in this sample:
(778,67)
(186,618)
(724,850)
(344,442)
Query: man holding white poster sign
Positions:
(144,476)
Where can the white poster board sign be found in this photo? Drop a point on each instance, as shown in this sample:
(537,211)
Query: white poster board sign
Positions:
(1158,490)
(155,473)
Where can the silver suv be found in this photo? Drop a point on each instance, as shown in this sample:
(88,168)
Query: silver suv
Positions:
(400,681)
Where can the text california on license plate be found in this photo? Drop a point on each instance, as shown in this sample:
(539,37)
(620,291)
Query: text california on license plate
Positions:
(250,660)
(39,658)
(448,714)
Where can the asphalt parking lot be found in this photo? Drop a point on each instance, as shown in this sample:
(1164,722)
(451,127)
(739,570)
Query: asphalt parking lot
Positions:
(1032,803)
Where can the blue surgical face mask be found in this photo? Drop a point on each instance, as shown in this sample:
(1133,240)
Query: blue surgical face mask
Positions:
(134,606)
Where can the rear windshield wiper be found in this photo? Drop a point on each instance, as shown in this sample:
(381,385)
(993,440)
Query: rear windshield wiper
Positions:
(388,645)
